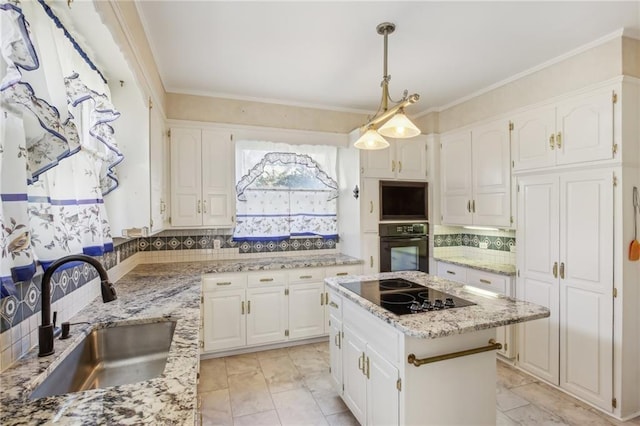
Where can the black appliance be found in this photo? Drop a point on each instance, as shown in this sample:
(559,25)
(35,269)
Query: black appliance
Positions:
(403,200)
(404,247)
(404,297)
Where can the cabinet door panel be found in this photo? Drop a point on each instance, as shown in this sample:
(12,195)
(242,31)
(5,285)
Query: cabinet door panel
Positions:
(335,353)
(411,157)
(355,382)
(530,139)
(491,174)
(371,253)
(218,176)
(266,315)
(377,163)
(370,202)
(382,391)
(586,312)
(158,156)
(224,320)
(586,126)
(306,310)
(456,178)
(186,184)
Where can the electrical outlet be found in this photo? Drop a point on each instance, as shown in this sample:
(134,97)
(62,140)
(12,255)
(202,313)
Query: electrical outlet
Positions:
(484,245)
(216,244)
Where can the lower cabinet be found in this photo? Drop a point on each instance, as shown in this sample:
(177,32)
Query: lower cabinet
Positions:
(266,315)
(488,281)
(306,310)
(224,319)
(335,352)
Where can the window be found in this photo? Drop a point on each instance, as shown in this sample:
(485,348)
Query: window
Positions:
(285,191)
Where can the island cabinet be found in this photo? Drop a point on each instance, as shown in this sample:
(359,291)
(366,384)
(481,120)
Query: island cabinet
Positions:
(476,182)
(381,387)
(250,309)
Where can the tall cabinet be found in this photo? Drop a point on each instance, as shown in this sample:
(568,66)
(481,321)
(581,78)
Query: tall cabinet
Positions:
(565,258)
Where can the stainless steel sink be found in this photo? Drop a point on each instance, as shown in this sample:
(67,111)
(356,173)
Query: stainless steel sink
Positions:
(113,356)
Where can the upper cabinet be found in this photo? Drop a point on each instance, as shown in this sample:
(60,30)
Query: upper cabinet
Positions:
(475,176)
(577,130)
(202,177)
(404,159)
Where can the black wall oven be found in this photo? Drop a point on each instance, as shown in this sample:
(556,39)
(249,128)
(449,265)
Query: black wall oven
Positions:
(404,247)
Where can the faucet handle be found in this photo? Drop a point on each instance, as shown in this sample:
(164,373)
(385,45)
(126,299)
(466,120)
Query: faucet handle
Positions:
(55,318)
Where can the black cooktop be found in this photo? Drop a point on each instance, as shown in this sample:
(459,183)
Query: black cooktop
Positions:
(404,297)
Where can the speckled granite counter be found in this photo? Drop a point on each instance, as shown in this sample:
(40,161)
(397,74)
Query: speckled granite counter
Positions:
(489,311)
(145,294)
(496,268)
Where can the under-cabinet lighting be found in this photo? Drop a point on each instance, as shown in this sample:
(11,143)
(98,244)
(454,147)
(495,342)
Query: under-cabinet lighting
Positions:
(482,292)
(481,228)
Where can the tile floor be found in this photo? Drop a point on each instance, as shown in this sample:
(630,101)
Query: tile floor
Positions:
(291,386)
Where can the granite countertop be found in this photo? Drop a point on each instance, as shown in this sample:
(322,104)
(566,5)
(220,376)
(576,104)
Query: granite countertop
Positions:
(146,294)
(496,268)
(490,310)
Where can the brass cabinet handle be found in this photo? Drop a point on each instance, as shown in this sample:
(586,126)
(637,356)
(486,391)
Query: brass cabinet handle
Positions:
(361,170)
(242,308)
(371,261)
(341,274)
(204,203)
(473,206)
(304,277)
(482,280)
(559,140)
(199,208)
(562,270)
(451,272)
(552,142)
(321,299)
(370,206)
(555,269)
(367,368)
(333,304)
(337,340)
(492,346)
(393,165)
(469,206)
(248,307)
(266,280)
(399,166)
(224,283)
(361,363)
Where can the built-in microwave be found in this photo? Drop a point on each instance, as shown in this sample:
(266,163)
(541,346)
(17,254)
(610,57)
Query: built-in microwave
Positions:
(400,200)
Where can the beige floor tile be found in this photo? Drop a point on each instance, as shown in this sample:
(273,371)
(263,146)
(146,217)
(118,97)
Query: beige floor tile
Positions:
(342,419)
(325,395)
(531,415)
(297,407)
(503,420)
(216,407)
(309,362)
(281,374)
(249,394)
(509,376)
(321,347)
(507,400)
(239,364)
(266,418)
(273,353)
(213,375)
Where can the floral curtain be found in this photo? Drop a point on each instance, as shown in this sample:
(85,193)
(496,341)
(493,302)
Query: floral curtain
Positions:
(57,148)
(285,191)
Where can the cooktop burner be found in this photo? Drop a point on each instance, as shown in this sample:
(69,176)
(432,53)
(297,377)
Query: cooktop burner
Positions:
(404,297)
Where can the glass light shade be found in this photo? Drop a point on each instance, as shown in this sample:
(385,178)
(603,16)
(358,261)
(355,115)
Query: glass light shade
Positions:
(371,140)
(399,126)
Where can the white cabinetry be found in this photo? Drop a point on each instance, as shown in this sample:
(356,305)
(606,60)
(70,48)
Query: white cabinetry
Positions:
(488,281)
(202,177)
(579,129)
(405,159)
(565,258)
(266,315)
(476,180)
(306,304)
(158,171)
(370,202)
(371,253)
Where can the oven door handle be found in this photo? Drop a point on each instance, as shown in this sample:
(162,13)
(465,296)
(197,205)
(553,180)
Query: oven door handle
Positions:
(395,239)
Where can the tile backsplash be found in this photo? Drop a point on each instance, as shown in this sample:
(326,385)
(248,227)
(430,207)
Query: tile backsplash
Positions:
(74,287)
(496,246)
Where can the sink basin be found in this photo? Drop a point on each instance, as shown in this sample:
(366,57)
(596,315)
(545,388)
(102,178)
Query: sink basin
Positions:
(112,356)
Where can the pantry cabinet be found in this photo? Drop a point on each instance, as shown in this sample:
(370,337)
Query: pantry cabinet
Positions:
(565,261)
(576,130)
(202,177)
(405,159)
(476,182)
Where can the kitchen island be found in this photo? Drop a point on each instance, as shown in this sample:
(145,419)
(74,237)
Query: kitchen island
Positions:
(432,367)
(149,293)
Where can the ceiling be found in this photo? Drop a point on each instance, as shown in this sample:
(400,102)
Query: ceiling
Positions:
(328,54)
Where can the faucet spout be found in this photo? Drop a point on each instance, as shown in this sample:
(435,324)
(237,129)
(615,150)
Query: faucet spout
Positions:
(45,331)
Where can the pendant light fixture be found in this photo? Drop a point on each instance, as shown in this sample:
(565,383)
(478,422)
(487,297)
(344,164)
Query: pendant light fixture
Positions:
(395,123)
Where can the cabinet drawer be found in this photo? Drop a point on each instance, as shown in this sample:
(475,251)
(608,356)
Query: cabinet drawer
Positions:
(339,271)
(452,272)
(212,282)
(266,278)
(379,335)
(487,281)
(306,275)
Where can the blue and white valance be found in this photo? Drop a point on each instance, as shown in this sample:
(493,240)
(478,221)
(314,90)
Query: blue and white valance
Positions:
(285,191)
(57,147)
